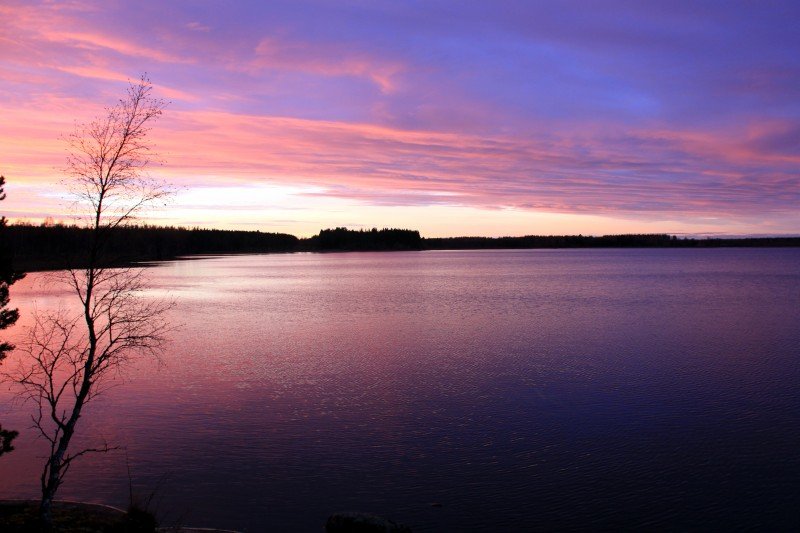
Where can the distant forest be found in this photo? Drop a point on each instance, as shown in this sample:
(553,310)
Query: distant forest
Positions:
(648,240)
(50,247)
(55,246)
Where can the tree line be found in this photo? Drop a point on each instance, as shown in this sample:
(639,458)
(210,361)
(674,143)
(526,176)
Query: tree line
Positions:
(605,241)
(57,246)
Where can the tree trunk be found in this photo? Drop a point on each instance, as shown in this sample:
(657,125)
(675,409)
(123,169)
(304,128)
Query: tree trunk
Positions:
(45,511)
(50,483)
(52,476)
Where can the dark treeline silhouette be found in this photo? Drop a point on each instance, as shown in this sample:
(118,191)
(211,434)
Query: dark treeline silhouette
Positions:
(59,246)
(55,246)
(750,242)
(606,241)
(557,241)
(343,239)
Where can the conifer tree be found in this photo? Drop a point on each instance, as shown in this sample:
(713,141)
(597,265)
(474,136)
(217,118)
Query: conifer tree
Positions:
(7,316)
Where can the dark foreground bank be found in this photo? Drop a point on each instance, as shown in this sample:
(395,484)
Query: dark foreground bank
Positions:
(21,516)
(55,246)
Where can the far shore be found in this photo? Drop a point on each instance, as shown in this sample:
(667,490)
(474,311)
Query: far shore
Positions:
(59,247)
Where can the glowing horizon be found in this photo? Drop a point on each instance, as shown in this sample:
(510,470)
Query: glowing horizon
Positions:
(451,119)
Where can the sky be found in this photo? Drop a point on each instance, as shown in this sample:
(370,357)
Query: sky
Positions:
(450,117)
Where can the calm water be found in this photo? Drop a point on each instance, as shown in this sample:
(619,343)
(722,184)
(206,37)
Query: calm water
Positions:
(520,390)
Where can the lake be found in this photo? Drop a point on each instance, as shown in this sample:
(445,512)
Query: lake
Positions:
(454,390)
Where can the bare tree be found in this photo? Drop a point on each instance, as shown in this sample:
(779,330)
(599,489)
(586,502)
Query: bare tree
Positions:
(71,356)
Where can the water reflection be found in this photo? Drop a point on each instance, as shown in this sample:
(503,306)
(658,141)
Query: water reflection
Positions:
(524,389)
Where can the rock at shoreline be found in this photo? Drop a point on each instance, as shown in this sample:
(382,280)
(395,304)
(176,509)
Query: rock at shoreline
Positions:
(362,523)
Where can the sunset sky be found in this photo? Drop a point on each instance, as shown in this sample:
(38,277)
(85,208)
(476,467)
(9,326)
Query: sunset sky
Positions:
(454,118)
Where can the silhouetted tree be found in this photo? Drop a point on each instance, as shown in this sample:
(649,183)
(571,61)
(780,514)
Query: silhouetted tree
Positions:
(72,356)
(7,316)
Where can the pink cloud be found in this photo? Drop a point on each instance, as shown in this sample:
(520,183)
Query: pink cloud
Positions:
(62,31)
(99,41)
(326,60)
(103,74)
(571,174)
(575,172)
(198,26)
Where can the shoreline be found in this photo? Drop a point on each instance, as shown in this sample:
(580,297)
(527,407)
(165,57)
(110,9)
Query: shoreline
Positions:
(58,247)
(34,266)
(102,514)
